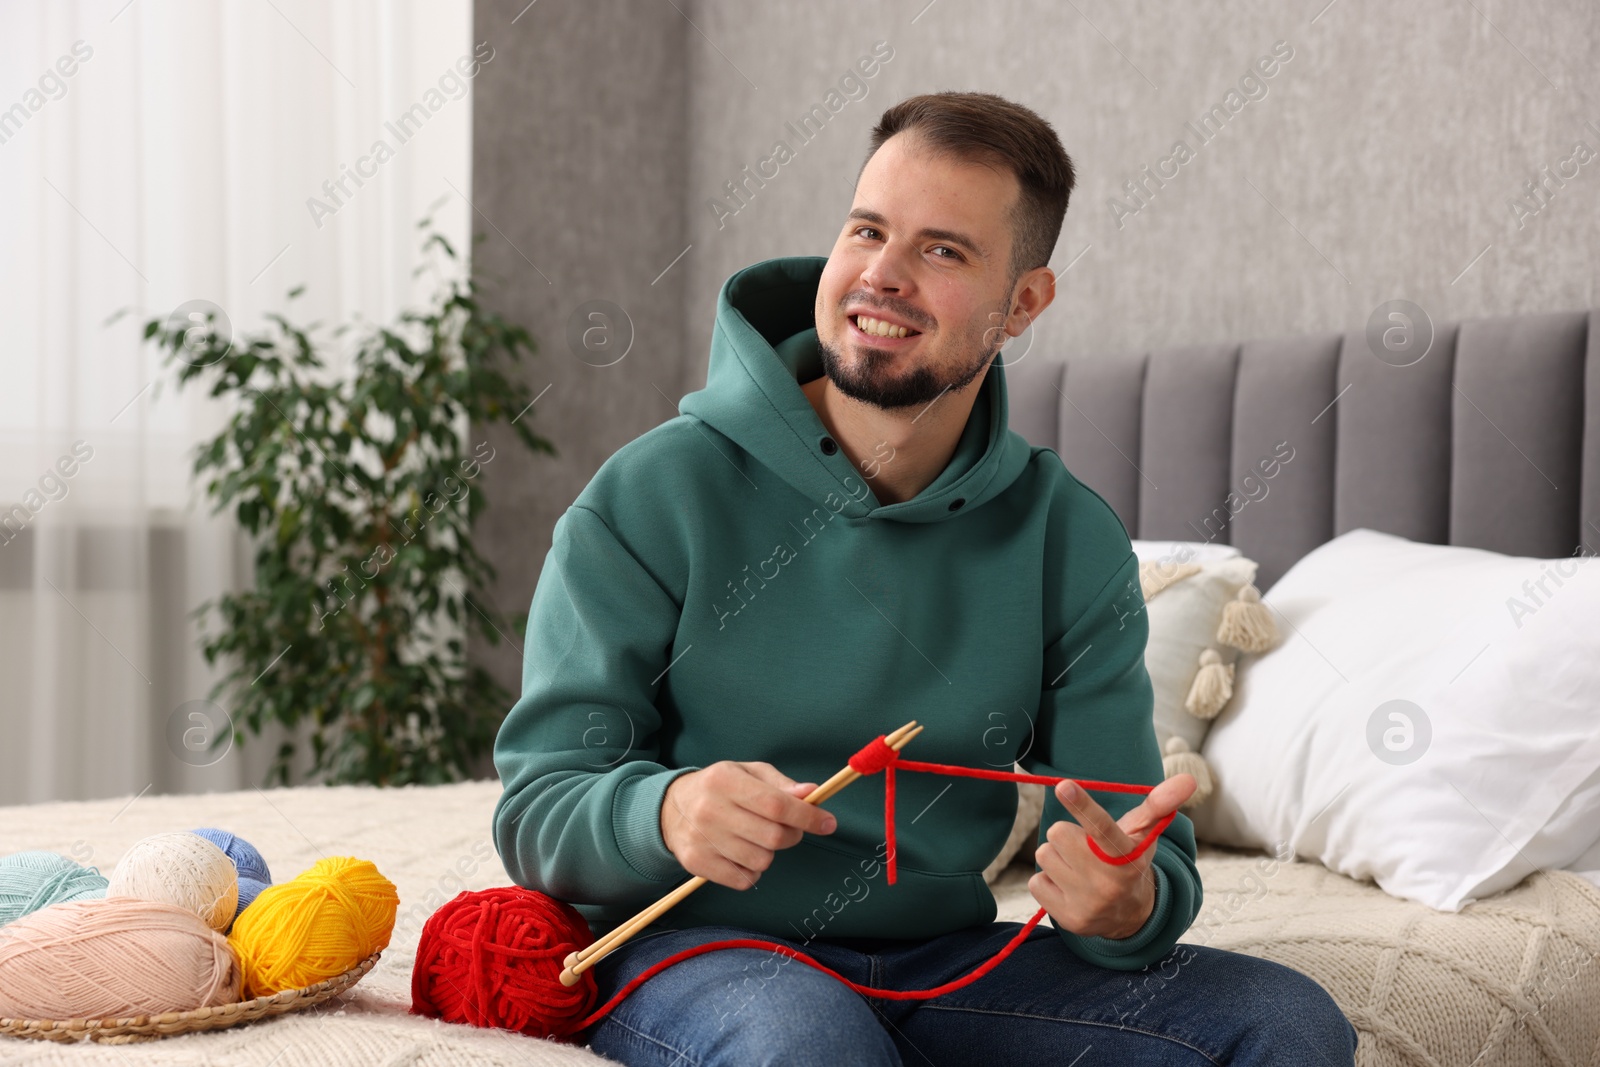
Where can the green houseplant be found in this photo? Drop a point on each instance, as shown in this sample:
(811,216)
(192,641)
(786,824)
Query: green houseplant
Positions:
(358,491)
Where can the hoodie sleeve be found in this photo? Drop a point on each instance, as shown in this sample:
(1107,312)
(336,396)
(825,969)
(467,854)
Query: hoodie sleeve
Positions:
(579,816)
(1095,722)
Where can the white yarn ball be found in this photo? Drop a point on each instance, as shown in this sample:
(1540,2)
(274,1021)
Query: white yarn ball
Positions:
(180,868)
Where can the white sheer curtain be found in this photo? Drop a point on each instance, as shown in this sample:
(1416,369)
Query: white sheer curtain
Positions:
(152,153)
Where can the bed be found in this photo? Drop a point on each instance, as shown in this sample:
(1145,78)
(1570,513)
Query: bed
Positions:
(1438,450)
(1510,981)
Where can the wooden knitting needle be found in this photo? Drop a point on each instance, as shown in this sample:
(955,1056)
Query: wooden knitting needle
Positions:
(578,962)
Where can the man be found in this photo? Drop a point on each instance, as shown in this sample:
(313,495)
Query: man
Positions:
(840,534)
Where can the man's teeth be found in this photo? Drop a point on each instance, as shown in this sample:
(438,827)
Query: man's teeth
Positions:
(868,324)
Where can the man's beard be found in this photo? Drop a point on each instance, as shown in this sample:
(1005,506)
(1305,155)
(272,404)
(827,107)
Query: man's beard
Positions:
(869,383)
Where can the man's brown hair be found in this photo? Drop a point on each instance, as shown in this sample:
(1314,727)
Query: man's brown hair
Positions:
(988,129)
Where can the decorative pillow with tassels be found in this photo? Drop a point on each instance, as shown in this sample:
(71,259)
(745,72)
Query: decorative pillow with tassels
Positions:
(1203,614)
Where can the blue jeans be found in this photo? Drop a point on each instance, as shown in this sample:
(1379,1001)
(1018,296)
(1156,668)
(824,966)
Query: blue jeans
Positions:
(1042,1005)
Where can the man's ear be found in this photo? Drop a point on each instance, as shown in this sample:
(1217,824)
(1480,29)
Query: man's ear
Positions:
(1036,289)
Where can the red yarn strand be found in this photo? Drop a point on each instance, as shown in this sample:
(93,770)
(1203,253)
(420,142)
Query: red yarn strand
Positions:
(865,990)
(878,755)
(888,816)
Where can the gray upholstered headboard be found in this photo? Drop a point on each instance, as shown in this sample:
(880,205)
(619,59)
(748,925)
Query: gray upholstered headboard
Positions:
(1491,439)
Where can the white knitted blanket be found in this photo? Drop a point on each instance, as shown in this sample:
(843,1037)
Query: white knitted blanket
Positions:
(1513,980)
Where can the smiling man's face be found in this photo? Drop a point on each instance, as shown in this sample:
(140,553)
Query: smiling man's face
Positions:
(926,249)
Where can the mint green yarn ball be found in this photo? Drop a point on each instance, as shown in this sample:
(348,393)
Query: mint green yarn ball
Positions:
(33,880)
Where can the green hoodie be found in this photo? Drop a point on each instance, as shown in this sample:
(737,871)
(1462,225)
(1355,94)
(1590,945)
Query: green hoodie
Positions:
(728,588)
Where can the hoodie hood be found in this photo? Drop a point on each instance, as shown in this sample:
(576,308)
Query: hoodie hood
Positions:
(753,397)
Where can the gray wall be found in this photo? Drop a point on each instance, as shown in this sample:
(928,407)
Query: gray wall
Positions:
(1382,155)
(1380,163)
(580,148)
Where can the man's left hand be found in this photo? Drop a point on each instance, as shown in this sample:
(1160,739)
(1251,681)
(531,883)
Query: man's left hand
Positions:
(1082,892)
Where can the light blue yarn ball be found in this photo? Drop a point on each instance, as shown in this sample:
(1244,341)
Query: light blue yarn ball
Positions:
(33,880)
(249,889)
(253,873)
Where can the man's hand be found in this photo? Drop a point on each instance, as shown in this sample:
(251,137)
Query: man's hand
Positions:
(724,822)
(1082,892)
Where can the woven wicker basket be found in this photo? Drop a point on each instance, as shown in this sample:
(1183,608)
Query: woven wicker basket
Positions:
(150,1027)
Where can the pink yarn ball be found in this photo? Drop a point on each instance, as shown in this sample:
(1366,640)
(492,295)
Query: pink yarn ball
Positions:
(113,958)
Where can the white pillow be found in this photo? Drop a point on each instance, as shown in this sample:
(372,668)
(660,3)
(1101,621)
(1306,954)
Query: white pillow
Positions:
(1503,751)
(1567,823)
(1183,551)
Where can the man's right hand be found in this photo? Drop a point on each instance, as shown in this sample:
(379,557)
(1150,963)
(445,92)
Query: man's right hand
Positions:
(726,821)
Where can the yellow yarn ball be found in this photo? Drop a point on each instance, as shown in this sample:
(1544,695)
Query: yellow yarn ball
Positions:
(318,925)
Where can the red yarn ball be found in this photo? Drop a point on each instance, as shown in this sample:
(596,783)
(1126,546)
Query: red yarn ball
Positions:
(494,958)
